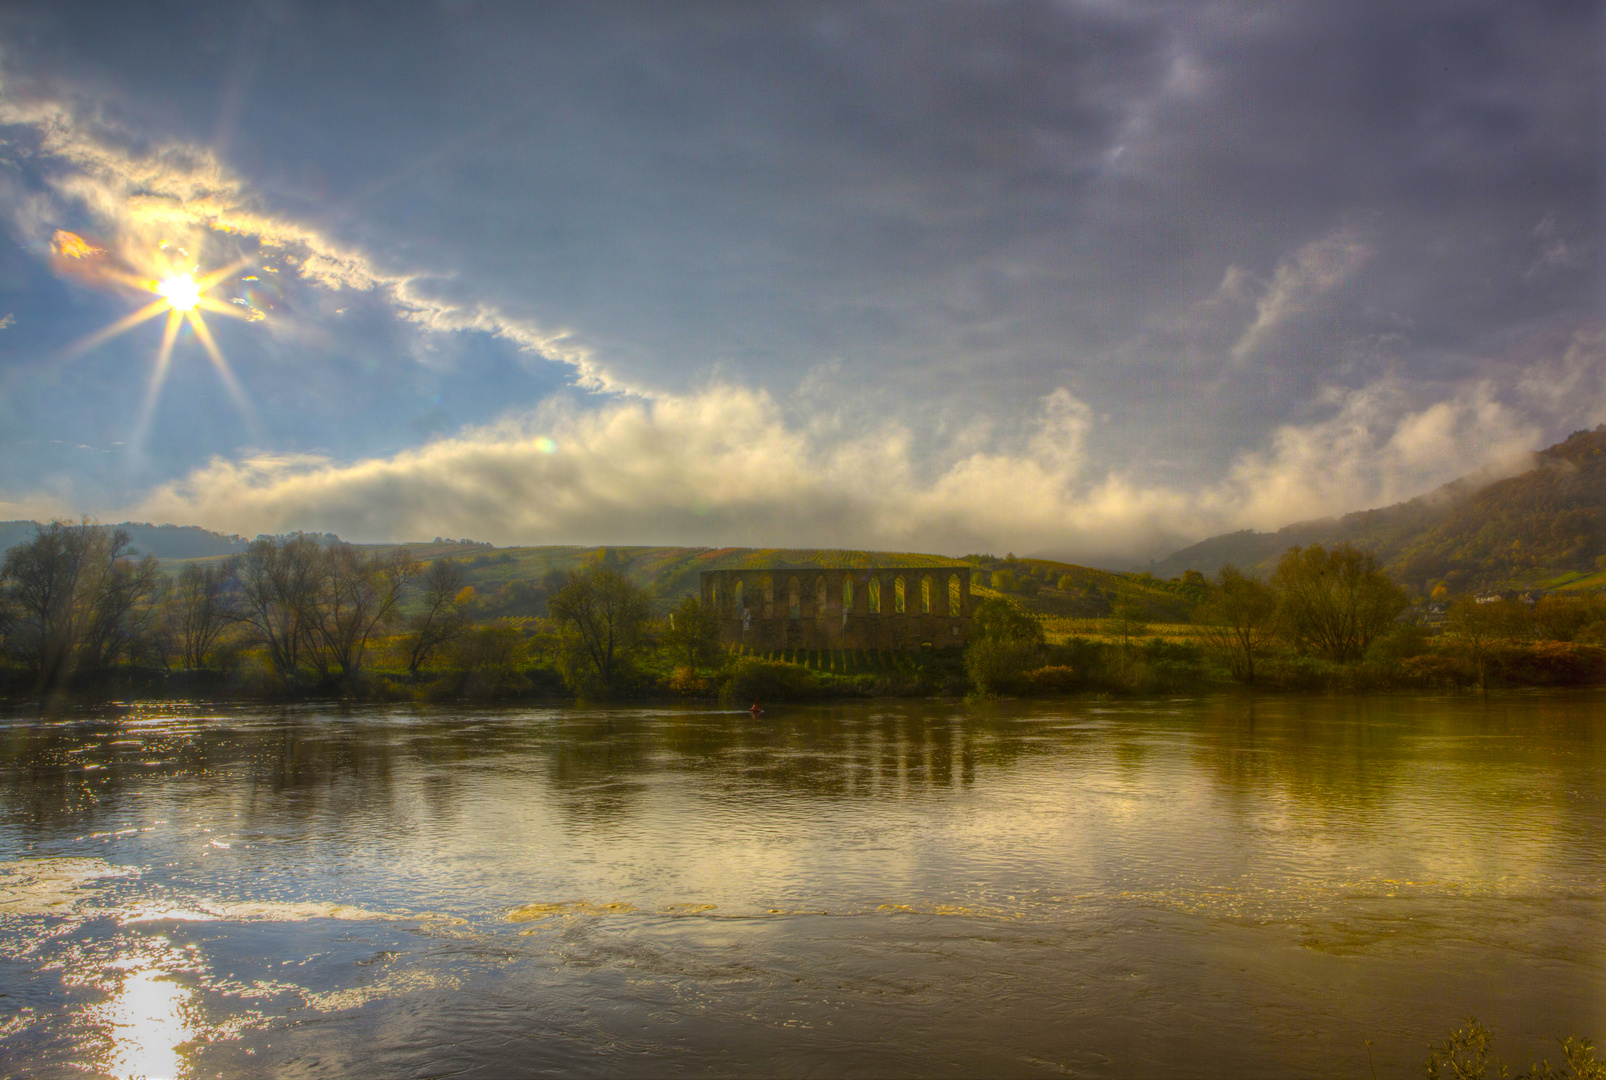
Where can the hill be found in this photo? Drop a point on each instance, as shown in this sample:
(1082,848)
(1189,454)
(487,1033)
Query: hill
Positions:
(163,541)
(1544,528)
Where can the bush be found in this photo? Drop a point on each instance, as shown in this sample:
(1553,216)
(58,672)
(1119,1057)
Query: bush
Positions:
(1436,670)
(686,682)
(1549,663)
(999,665)
(770,680)
(1051,680)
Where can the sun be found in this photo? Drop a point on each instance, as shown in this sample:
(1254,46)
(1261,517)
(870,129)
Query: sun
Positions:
(181,290)
(181,294)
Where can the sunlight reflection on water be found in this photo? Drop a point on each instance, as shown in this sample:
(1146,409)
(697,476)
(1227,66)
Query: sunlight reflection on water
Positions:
(147,1021)
(1107,889)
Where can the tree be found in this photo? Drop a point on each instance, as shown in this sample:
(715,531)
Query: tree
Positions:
(1335,602)
(1478,626)
(278,582)
(79,597)
(201,605)
(356,593)
(693,635)
(1004,644)
(441,619)
(308,599)
(1236,618)
(601,614)
(1131,616)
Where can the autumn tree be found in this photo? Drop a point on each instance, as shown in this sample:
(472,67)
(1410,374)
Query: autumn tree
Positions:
(278,580)
(1005,643)
(354,593)
(1236,619)
(1130,617)
(441,618)
(601,614)
(1333,603)
(693,635)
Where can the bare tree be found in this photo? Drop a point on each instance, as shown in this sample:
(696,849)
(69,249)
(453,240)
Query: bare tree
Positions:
(441,619)
(278,581)
(80,597)
(356,593)
(202,604)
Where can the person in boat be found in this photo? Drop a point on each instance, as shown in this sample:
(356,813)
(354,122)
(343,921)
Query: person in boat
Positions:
(756,710)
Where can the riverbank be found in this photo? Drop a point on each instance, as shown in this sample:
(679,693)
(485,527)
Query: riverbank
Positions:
(1075,667)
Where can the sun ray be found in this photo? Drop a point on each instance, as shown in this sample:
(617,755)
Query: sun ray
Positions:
(224,371)
(164,356)
(218,307)
(127,322)
(216,276)
(182,296)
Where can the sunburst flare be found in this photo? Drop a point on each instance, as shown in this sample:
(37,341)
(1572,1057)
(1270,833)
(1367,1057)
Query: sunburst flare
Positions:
(182,295)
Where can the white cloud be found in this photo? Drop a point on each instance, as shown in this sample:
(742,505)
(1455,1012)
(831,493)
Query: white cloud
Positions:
(723,467)
(145,194)
(1299,284)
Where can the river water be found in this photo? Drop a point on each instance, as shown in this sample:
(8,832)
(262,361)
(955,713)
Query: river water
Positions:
(1195,887)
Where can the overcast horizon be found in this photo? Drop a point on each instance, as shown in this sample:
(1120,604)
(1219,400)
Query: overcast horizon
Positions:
(1095,280)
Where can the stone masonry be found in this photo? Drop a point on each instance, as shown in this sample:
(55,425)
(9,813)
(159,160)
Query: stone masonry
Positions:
(888,607)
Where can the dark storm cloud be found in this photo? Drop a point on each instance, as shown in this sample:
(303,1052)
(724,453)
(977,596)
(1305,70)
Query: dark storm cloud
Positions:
(1226,228)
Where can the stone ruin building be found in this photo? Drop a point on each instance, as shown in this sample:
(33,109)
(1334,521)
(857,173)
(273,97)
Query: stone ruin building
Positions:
(888,607)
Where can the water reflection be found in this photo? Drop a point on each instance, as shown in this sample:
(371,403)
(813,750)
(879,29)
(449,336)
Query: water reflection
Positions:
(147,1022)
(1080,884)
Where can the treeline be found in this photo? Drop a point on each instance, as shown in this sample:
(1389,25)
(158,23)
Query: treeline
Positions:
(311,615)
(1323,619)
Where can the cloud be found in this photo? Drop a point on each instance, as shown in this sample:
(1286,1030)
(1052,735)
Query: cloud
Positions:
(722,466)
(143,194)
(1298,285)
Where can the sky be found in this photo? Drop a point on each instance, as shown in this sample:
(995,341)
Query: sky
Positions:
(1091,279)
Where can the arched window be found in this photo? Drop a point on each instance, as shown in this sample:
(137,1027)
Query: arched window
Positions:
(819,596)
(897,595)
(847,594)
(925,594)
(794,599)
(875,595)
(769,596)
(738,594)
(956,600)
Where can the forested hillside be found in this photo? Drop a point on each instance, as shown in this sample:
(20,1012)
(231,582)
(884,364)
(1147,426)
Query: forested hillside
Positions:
(1545,528)
(163,541)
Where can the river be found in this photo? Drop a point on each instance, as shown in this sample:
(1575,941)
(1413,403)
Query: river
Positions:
(1192,887)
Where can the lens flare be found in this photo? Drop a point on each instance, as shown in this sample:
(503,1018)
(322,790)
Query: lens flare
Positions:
(181,291)
(182,298)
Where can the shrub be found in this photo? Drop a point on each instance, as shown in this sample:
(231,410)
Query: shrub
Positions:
(1549,663)
(999,665)
(1436,670)
(770,680)
(685,681)
(1054,679)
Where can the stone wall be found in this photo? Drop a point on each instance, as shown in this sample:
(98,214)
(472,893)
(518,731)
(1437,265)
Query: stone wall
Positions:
(841,608)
